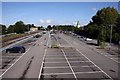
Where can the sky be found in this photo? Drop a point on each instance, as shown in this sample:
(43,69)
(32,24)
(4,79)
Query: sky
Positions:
(53,13)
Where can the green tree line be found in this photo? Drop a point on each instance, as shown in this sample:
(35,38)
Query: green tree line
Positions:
(18,27)
(104,22)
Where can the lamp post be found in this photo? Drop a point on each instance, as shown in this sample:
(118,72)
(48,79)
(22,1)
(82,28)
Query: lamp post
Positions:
(111,34)
(119,48)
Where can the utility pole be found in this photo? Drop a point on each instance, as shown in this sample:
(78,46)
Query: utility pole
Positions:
(111,35)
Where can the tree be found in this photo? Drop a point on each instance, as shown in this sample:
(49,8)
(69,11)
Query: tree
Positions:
(40,28)
(117,27)
(49,27)
(19,27)
(2,29)
(105,18)
(10,29)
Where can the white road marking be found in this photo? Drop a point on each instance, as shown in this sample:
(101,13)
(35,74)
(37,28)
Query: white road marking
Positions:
(54,58)
(63,58)
(72,73)
(48,41)
(114,58)
(89,66)
(108,57)
(56,73)
(66,62)
(88,72)
(40,71)
(68,42)
(55,62)
(15,62)
(69,67)
(58,67)
(69,64)
(94,64)
(58,42)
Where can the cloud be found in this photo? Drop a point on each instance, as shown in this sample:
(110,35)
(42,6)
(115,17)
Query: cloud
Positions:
(45,21)
(48,21)
(41,21)
(94,9)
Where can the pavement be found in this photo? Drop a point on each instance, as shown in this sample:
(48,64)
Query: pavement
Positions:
(72,60)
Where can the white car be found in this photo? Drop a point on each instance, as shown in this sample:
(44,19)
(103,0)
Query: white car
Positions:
(88,39)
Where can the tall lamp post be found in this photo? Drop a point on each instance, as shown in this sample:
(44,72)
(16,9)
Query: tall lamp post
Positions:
(111,34)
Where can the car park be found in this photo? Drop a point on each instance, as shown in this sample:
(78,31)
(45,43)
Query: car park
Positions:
(16,49)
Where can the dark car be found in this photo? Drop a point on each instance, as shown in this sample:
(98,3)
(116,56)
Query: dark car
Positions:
(37,36)
(16,49)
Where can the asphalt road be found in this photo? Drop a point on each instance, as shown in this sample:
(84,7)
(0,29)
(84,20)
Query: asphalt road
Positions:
(72,60)
(32,59)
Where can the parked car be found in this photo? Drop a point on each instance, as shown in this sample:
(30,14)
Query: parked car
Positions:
(88,39)
(37,36)
(16,49)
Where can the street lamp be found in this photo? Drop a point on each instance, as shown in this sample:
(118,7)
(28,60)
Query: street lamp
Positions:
(110,34)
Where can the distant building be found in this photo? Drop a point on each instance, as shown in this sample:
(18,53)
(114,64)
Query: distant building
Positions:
(78,24)
(33,29)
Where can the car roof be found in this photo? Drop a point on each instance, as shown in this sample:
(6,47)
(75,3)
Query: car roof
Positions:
(18,47)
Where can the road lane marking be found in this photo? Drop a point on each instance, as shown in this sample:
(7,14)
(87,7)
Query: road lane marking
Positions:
(66,62)
(94,64)
(88,72)
(72,73)
(54,56)
(69,64)
(109,57)
(62,58)
(15,62)
(114,58)
(40,71)
(58,67)
(69,67)
(58,42)
(48,45)
(56,73)
(68,42)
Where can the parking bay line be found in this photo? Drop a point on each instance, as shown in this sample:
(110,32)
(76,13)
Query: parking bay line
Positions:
(40,71)
(69,65)
(94,64)
(108,57)
(62,58)
(56,73)
(15,62)
(66,62)
(72,73)
(111,58)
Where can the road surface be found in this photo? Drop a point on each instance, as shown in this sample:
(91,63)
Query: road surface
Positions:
(72,59)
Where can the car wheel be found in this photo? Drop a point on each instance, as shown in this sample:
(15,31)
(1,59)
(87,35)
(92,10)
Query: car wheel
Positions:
(20,51)
(7,51)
